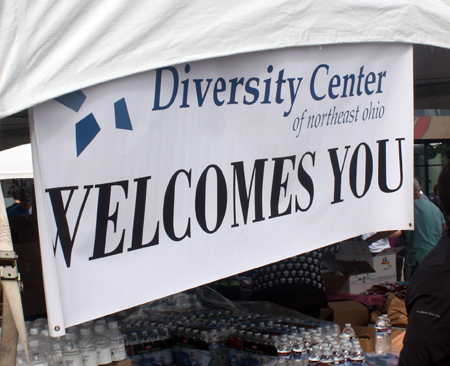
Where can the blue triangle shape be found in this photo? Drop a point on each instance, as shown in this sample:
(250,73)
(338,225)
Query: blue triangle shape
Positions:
(73,100)
(85,131)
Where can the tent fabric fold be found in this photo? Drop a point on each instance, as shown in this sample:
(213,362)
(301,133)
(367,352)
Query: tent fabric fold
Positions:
(50,48)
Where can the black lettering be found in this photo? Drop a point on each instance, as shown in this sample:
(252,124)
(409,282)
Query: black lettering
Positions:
(169,208)
(104,200)
(382,165)
(354,170)
(337,171)
(139,215)
(277,185)
(200,199)
(239,180)
(60,214)
(306,181)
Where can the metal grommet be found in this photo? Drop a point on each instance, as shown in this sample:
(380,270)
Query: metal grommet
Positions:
(410,224)
(57,328)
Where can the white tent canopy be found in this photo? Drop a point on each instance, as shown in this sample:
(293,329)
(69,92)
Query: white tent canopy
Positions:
(49,48)
(16,163)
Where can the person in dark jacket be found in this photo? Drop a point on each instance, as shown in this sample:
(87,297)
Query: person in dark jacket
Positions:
(426,340)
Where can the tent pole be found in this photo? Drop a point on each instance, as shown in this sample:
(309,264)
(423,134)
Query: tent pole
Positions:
(13,323)
(8,350)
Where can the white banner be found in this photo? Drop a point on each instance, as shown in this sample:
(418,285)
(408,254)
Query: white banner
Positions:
(170,179)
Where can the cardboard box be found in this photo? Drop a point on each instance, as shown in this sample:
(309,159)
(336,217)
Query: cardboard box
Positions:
(384,263)
(349,277)
(366,337)
(350,311)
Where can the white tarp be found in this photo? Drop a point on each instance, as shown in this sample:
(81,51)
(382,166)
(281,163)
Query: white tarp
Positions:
(15,163)
(169,179)
(49,48)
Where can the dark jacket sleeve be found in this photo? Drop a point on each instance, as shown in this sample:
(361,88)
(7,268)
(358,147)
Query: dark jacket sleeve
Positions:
(427,340)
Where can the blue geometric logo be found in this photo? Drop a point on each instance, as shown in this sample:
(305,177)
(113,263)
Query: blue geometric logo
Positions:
(122,117)
(87,128)
(85,131)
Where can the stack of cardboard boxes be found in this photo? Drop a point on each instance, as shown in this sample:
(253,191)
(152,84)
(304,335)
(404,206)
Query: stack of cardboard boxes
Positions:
(355,269)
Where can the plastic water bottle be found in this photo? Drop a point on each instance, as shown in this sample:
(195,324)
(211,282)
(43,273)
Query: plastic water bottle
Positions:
(45,343)
(327,341)
(117,343)
(357,355)
(37,357)
(349,332)
(103,345)
(75,331)
(57,347)
(218,348)
(326,358)
(314,355)
(335,329)
(347,350)
(308,342)
(33,334)
(300,352)
(389,330)
(21,359)
(284,350)
(88,348)
(37,325)
(338,355)
(71,352)
(381,336)
(44,338)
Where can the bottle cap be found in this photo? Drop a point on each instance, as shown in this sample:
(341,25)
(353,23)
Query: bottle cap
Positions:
(99,328)
(85,331)
(70,336)
(34,343)
(112,325)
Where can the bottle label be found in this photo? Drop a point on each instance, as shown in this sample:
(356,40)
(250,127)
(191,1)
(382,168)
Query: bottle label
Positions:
(358,362)
(284,356)
(104,355)
(59,357)
(159,358)
(118,352)
(322,363)
(89,357)
(73,360)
